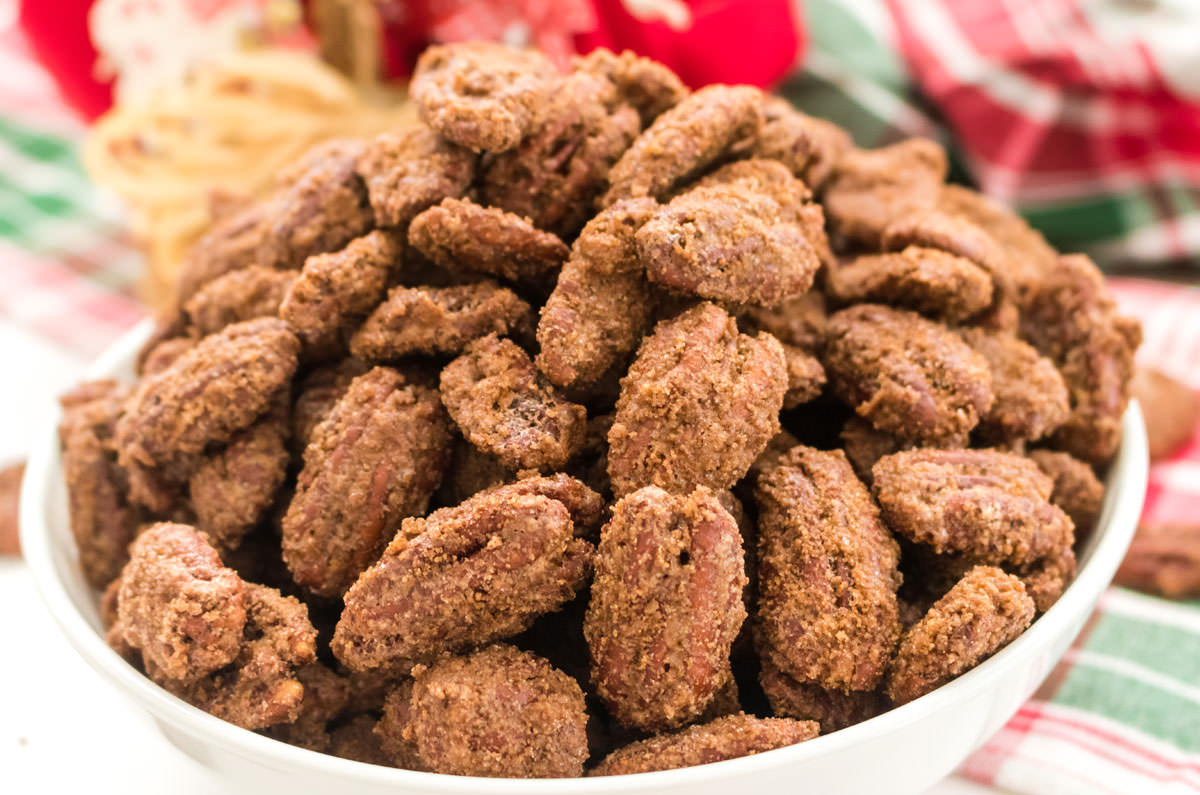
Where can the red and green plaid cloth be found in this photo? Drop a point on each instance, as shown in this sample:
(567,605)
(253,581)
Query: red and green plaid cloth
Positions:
(1121,713)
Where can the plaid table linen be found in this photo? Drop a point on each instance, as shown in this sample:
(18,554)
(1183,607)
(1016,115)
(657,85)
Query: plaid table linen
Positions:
(1120,714)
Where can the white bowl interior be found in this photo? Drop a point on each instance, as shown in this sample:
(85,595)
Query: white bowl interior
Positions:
(904,750)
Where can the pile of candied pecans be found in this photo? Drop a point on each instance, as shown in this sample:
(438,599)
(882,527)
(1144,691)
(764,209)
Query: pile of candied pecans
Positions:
(599,425)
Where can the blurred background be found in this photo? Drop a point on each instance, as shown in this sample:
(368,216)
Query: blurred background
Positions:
(126,124)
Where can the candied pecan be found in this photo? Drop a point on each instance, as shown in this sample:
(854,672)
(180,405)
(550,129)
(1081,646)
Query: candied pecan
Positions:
(1171,409)
(983,612)
(864,445)
(809,147)
(164,354)
(602,304)
(460,235)
(799,321)
(169,324)
(102,521)
(729,243)
(10,490)
(179,604)
(908,376)
(806,377)
(1073,321)
(698,405)
(376,458)
(685,140)
(1031,398)
(497,712)
(831,709)
(728,737)
(321,211)
(261,687)
(505,407)
(646,85)
(990,506)
(438,320)
(481,95)
(872,188)
(231,244)
(554,176)
(462,577)
(232,488)
(411,169)
(208,394)
(941,285)
(660,668)
(1163,559)
(243,294)
(336,290)
(316,394)
(1077,490)
(827,573)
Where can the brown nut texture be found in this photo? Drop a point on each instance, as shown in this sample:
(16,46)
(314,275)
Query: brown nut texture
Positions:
(991,506)
(908,376)
(438,320)
(601,304)
(729,737)
(982,613)
(179,604)
(697,406)
(410,170)
(261,687)
(827,573)
(935,283)
(685,140)
(375,459)
(831,709)
(497,712)
(666,605)
(459,235)
(480,95)
(1031,398)
(462,577)
(102,520)
(505,407)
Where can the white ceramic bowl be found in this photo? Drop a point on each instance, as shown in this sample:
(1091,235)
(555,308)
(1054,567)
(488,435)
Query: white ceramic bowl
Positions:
(905,750)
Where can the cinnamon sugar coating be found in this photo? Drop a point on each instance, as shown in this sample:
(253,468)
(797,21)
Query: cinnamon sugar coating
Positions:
(480,95)
(729,737)
(505,407)
(439,320)
(684,140)
(602,304)
(102,520)
(179,605)
(462,577)
(375,459)
(660,669)
(698,405)
(410,170)
(460,235)
(990,506)
(982,613)
(495,712)
(827,611)
(906,375)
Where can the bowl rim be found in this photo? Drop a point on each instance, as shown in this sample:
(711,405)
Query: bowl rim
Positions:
(1115,529)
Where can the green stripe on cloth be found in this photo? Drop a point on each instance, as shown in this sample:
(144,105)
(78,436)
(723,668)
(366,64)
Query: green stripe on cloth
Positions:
(1127,695)
(40,146)
(1085,221)
(1142,641)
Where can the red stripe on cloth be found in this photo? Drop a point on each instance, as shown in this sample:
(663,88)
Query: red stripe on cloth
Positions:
(1065,770)
(1038,712)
